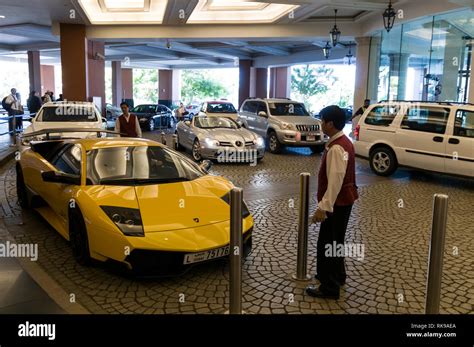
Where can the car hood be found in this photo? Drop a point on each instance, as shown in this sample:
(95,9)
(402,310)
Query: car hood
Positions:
(172,206)
(229,115)
(66,125)
(298,120)
(230,135)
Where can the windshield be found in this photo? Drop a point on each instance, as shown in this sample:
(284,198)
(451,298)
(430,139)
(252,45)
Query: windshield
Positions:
(220,108)
(139,165)
(214,122)
(71,113)
(287,109)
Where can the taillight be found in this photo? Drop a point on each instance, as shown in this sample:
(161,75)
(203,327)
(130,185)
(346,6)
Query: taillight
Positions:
(357,132)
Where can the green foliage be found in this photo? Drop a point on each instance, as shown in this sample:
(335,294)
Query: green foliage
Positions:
(196,85)
(145,86)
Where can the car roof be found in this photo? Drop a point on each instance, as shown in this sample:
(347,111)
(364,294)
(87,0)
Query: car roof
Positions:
(218,102)
(66,103)
(109,142)
(274,100)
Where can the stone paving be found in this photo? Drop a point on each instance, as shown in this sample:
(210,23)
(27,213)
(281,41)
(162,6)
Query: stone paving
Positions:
(390,279)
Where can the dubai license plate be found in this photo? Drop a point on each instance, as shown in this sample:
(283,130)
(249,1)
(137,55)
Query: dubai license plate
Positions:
(310,138)
(206,255)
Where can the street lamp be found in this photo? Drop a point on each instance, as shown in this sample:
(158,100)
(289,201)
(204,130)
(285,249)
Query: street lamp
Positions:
(349,55)
(335,33)
(389,17)
(327,50)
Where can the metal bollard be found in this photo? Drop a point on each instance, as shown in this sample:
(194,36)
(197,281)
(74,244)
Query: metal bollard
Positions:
(302,257)
(14,130)
(163,138)
(174,140)
(435,265)
(235,251)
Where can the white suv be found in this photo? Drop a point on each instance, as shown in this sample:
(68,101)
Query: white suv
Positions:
(282,122)
(434,136)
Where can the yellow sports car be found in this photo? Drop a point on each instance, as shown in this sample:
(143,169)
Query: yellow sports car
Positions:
(134,201)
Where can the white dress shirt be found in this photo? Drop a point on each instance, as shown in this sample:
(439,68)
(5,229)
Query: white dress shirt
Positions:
(13,101)
(127,119)
(336,166)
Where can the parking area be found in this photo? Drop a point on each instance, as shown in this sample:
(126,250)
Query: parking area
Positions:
(392,219)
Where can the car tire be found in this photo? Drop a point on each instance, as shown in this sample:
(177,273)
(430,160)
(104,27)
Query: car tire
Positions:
(21,192)
(196,150)
(383,161)
(78,237)
(274,146)
(317,149)
(151,124)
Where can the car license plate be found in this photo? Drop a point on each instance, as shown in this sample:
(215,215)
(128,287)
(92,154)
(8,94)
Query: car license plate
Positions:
(206,255)
(310,138)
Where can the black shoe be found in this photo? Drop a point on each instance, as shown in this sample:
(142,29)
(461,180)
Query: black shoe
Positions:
(317,293)
(341,283)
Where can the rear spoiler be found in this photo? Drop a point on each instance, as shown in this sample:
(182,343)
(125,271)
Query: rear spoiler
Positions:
(47,132)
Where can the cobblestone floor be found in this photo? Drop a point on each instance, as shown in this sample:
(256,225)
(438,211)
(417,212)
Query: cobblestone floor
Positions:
(390,279)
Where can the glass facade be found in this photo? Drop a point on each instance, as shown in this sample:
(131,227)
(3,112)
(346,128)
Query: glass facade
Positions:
(427,59)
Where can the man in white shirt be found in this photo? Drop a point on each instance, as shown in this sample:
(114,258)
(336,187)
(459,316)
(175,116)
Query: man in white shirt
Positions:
(14,110)
(337,192)
(127,124)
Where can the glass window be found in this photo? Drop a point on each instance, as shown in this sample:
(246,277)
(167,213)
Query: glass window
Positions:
(382,115)
(69,160)
(220,107)
(73,113)
(464,123)
(287,109)
(214,123)
(250,106)
(427,119)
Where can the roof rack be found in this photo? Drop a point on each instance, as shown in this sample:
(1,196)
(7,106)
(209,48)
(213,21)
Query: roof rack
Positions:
(449,103)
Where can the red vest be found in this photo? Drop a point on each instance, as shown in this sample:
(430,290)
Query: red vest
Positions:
(348,193)
(128,128)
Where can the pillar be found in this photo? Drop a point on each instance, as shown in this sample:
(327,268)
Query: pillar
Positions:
(362,71)
(244,80)
(176,84)
(34,70)
(127,84)
(471,81)
(449,80)
(259,83)
(117,87)
(374,66)
(165,86)
(83,65)
(47,79)
(280,80)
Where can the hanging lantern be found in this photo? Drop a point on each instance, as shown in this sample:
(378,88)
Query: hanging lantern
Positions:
(335,33)
(349,55)
(389,17)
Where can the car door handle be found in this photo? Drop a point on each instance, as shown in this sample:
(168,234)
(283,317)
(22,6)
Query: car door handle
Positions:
(437,139)
(454,141)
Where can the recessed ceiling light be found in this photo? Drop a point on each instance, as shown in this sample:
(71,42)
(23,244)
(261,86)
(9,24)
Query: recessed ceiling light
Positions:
(2,17)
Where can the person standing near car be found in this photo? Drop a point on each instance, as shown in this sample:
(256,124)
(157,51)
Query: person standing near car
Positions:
(14,109)
(180,112)
(337,192)
(127,124)
(33,102)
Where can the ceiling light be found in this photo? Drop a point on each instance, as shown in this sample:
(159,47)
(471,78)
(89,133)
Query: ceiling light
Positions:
(124,4)
(389,17)
(349,55)
(2,17)
(335,33)
(327,50)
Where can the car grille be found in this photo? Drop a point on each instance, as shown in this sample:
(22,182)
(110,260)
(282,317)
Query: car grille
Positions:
(306,128)
(230,144)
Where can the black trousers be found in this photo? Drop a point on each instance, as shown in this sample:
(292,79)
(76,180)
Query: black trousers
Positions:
(330,269)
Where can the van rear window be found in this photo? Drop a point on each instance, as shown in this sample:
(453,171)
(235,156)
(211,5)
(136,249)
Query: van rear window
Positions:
(72,113)
(381,115)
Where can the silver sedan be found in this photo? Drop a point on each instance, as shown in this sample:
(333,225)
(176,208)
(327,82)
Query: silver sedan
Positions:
(219,138)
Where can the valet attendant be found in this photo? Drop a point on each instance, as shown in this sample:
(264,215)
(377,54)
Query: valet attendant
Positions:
(337,192)
(127,124)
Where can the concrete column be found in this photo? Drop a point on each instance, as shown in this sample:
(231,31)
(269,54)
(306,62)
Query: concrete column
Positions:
(34,70)
(117,85)
(471,81)
(362,71)
(244,80)
(176,84)
(449,80)
(261,82)
(374,66)
(47,79)
(165,86)
(127,84)
(83,65)
(402,75)
(280,82)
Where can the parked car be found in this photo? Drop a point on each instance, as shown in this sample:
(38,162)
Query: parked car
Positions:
(212,137)
(111,114)
(219,108)
(153,116)
(431,136)
(282,122)
(116,198)
(347,111)
(193,109)
(66,115)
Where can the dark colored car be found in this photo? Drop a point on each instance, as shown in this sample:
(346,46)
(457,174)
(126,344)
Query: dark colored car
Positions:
(152,116)
(347,110)
(111,114)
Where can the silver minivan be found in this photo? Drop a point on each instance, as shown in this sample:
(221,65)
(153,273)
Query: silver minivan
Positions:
(282,122)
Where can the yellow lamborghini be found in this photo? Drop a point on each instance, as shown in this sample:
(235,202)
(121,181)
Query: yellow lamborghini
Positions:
(134,201)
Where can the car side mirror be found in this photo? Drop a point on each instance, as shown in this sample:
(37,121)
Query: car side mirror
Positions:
(239,123)
(206,165)
(61,177)
(263,114)
(188,123)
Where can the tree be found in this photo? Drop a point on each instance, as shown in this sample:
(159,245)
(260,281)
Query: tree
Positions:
(197,86)
(309,81)
(145,86)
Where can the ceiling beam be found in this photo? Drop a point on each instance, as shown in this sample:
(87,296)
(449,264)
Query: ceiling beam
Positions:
(32,31)
(187,48)
(178,11)
(147,50)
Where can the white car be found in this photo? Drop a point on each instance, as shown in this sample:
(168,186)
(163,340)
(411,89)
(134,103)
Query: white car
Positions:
(67,115)
(220,108)
(433,136)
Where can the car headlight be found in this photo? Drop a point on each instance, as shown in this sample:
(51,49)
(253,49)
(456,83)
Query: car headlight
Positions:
(260,142)
(211,143)
(128,220)
(287,126)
